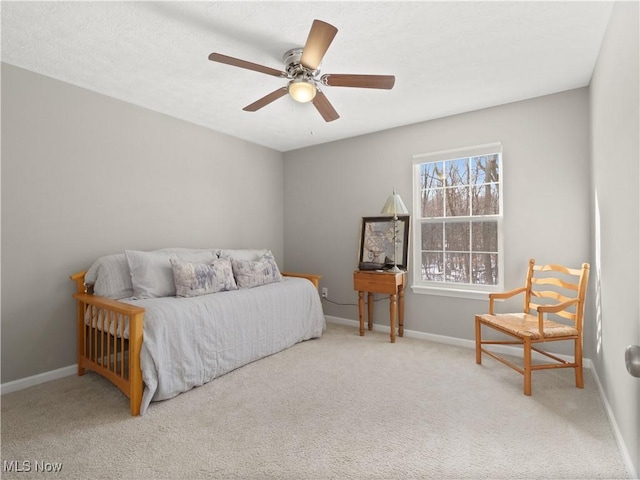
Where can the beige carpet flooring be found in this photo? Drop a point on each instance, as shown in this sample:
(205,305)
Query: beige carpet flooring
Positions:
(343,407)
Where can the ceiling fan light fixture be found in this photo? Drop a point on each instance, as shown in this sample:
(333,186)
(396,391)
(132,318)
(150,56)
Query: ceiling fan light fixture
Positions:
(302,90)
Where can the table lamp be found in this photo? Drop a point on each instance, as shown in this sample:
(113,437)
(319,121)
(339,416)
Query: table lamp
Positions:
(394,206)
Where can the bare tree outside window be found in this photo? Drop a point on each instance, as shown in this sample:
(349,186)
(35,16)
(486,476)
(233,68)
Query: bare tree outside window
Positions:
(459,220)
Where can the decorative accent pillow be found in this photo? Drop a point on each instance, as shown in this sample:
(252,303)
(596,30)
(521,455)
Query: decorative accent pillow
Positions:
(193,279)
(110,277)
(152,274)
(251,274)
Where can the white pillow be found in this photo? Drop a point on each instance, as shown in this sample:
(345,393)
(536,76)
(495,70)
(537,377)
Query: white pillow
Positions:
(110,277)
(152,274)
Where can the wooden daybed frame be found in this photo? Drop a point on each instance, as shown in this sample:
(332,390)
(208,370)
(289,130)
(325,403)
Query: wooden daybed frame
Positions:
(108,353)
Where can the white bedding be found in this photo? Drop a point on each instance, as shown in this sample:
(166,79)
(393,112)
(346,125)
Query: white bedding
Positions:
(190,341)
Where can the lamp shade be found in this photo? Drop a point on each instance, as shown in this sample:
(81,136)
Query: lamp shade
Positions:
(394,205)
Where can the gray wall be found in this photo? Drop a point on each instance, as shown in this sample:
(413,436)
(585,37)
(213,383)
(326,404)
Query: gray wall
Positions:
(328,188)
(615,145)
(85,175)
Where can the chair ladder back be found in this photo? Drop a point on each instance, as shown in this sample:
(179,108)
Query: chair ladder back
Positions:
(555,295)
(576,290)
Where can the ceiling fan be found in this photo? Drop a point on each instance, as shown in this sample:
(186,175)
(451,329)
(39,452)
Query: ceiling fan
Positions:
(302,69)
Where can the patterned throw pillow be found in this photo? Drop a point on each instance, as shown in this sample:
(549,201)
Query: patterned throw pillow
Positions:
(251,274)
(194,279)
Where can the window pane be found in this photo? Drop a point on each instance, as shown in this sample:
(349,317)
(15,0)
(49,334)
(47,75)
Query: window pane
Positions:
(457,236)
(457,172)
(457,202)
(457,267)
(432,203)
(485,269)
(484,236)
(431,175)
(432,236)
(484,169)
(486,199)
(432,268)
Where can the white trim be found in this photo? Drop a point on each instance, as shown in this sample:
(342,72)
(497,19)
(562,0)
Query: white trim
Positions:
(474,151)
(34,380)
(449,288)
(452,292)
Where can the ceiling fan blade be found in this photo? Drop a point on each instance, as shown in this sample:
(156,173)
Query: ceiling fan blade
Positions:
(320,37)
(324,107)
(266,100)
(385,82)
(236,62)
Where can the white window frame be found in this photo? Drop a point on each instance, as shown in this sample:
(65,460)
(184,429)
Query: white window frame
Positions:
(463,290)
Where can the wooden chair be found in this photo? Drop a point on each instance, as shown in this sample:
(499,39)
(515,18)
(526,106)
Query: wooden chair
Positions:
(558,295)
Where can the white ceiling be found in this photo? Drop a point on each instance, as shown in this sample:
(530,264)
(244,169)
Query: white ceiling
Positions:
(448,57)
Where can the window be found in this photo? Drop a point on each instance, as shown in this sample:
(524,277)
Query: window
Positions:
(458,221)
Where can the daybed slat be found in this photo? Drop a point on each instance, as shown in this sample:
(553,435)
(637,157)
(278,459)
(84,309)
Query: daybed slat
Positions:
(115,346)
(109,344)
(92,339)
(102,333)
(122,347)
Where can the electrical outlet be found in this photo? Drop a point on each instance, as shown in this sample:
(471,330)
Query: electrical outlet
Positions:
(325,292)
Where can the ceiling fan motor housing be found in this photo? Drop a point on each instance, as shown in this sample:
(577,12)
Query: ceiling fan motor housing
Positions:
(294,68)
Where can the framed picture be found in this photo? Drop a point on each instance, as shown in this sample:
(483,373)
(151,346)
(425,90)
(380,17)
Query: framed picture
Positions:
(377,241)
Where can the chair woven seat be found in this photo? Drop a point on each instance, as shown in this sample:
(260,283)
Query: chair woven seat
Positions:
(526,325)
(560,296)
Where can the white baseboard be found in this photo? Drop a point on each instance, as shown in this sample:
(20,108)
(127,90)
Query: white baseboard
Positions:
(34,380)
(507,350)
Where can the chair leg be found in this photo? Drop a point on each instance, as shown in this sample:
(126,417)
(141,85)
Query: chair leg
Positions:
(578,361)
(478,342)
(527,365)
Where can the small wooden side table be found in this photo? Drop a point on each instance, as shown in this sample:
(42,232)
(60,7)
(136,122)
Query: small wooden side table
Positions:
(390,283)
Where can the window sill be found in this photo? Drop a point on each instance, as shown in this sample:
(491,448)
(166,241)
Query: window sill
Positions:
(451,292)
